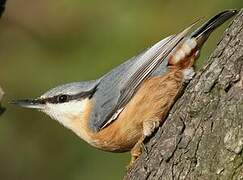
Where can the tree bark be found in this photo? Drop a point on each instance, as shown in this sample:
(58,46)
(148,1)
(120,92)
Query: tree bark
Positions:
(202,137)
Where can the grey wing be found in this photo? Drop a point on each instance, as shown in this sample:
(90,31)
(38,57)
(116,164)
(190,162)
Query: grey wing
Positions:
(118,86)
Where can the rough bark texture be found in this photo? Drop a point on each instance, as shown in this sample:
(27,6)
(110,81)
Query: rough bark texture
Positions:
(202,137)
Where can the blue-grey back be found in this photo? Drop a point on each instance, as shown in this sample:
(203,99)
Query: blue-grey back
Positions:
(117,87)
(108,91)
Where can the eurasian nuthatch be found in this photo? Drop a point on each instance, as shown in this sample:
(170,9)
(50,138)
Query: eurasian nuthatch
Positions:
(119,110)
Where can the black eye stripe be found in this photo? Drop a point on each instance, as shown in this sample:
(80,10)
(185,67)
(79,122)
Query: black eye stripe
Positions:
(62,98)
(55,99)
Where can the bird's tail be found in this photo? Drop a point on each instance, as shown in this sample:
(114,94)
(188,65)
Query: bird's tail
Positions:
(202,33)
(188,50)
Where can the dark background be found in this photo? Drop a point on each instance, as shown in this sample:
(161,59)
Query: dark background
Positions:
(50,42)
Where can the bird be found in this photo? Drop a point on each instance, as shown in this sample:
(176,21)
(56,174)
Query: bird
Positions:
(119,110)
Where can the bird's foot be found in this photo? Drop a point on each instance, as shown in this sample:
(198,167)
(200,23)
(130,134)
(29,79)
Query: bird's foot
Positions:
(135,153)
(148,129)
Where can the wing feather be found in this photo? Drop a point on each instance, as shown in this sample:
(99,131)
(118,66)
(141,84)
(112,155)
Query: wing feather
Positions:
(117,87)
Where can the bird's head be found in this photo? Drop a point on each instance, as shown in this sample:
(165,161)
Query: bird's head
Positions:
(64,102)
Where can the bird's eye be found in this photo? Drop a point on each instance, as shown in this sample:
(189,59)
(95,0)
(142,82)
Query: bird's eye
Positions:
(62,98)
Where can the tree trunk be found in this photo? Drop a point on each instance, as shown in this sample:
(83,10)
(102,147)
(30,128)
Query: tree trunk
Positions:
(202,137)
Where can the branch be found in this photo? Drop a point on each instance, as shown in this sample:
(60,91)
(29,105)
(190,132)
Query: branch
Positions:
(2,8)
(1,97)
(202,138)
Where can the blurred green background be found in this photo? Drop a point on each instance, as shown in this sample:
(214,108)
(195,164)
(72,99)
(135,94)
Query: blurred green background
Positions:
(50,42)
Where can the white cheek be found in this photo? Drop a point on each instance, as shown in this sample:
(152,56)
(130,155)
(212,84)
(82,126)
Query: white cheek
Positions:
(65,111)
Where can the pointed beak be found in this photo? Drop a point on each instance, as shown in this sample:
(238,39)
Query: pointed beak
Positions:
(29,103)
